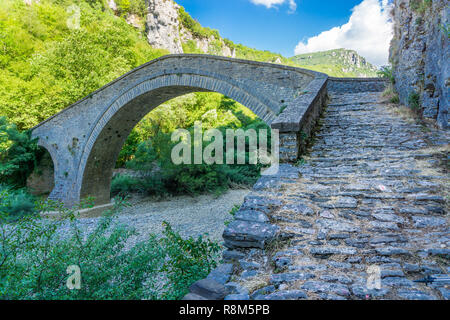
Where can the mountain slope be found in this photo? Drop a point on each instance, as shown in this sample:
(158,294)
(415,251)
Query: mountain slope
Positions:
(339,62)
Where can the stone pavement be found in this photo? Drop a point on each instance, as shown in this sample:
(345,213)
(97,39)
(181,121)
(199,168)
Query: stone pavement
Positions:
(373,192)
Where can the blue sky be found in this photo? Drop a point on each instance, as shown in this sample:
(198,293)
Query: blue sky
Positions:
(299,26)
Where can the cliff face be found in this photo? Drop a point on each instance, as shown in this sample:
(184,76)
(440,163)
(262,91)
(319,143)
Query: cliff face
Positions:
(420,55)
(166,31)
(163,26)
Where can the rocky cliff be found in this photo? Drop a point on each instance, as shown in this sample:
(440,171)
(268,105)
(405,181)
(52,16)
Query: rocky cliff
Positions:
(420,56)
(169,27)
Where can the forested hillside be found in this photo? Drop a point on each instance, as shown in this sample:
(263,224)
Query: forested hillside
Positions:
(337,63)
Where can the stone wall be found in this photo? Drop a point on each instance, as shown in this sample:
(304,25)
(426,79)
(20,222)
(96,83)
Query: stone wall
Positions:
(420,54)
(297,121)
(355,85)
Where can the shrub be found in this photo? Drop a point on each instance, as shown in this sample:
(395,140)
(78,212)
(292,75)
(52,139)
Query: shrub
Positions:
(395,99)
(122,184)
(16,203)
(387,72)
(19,154)
(34,257)
(194,26)
(414,101)
(188,260)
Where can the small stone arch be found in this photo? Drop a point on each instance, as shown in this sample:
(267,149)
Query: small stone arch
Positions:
(41,181)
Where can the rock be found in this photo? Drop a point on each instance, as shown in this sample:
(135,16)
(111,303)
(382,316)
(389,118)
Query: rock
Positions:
(428,222)
(325,252)
(236,288)
(285,295)
(222,273)
(210,289)
(326,287)
(163,26)
(388,217)
(232,255)
(397,282)
(289,277)
(408,267)
(298,208)
(251,215)
(249,274)
(415,295)
(249,265)
(262,292)
(245,234)
(193,297)
(342,203)
(237,297)
(390,251)
(445,293)
(361,291)
(419,51)
(384,225)
(337,225)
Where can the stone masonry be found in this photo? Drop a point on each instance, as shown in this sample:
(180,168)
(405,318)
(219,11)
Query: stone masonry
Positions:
(85,139)
(372,193)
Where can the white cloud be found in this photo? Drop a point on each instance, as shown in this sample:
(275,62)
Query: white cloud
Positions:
(272,3)
(368,31)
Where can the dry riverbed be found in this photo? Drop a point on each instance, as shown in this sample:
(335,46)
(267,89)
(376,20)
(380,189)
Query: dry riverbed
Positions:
(190,216)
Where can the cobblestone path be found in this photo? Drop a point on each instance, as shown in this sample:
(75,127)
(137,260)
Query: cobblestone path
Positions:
(373,193)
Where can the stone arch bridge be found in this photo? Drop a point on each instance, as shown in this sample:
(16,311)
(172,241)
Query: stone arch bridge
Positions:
(84,140)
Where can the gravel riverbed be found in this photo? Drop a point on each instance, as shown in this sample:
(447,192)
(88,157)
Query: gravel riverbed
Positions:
(190,216)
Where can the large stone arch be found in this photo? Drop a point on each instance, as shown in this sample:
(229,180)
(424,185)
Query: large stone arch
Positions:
(115,124)
(86,138)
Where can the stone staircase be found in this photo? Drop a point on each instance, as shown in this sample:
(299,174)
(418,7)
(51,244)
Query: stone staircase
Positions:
(369,202)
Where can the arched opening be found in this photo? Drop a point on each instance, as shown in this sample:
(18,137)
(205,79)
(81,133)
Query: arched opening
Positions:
(42,180)
(109,144)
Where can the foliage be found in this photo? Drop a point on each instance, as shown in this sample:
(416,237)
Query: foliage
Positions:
(34,257)
(395,99)
(189,260)
(16,203)
(336,63)
(46,66)
(414,101)
(19,154)
(190,46)
(233,212)
(387,72)
(194,26)
(420,6)
(126,7)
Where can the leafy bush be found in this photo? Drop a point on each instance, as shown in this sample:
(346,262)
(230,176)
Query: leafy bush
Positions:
(16,203)
(420,6)
(194,26)
(46,66)
(19,154)
(387,72)
(395,99)
(34,257)
(414,101)
(126,7)
(189,260)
